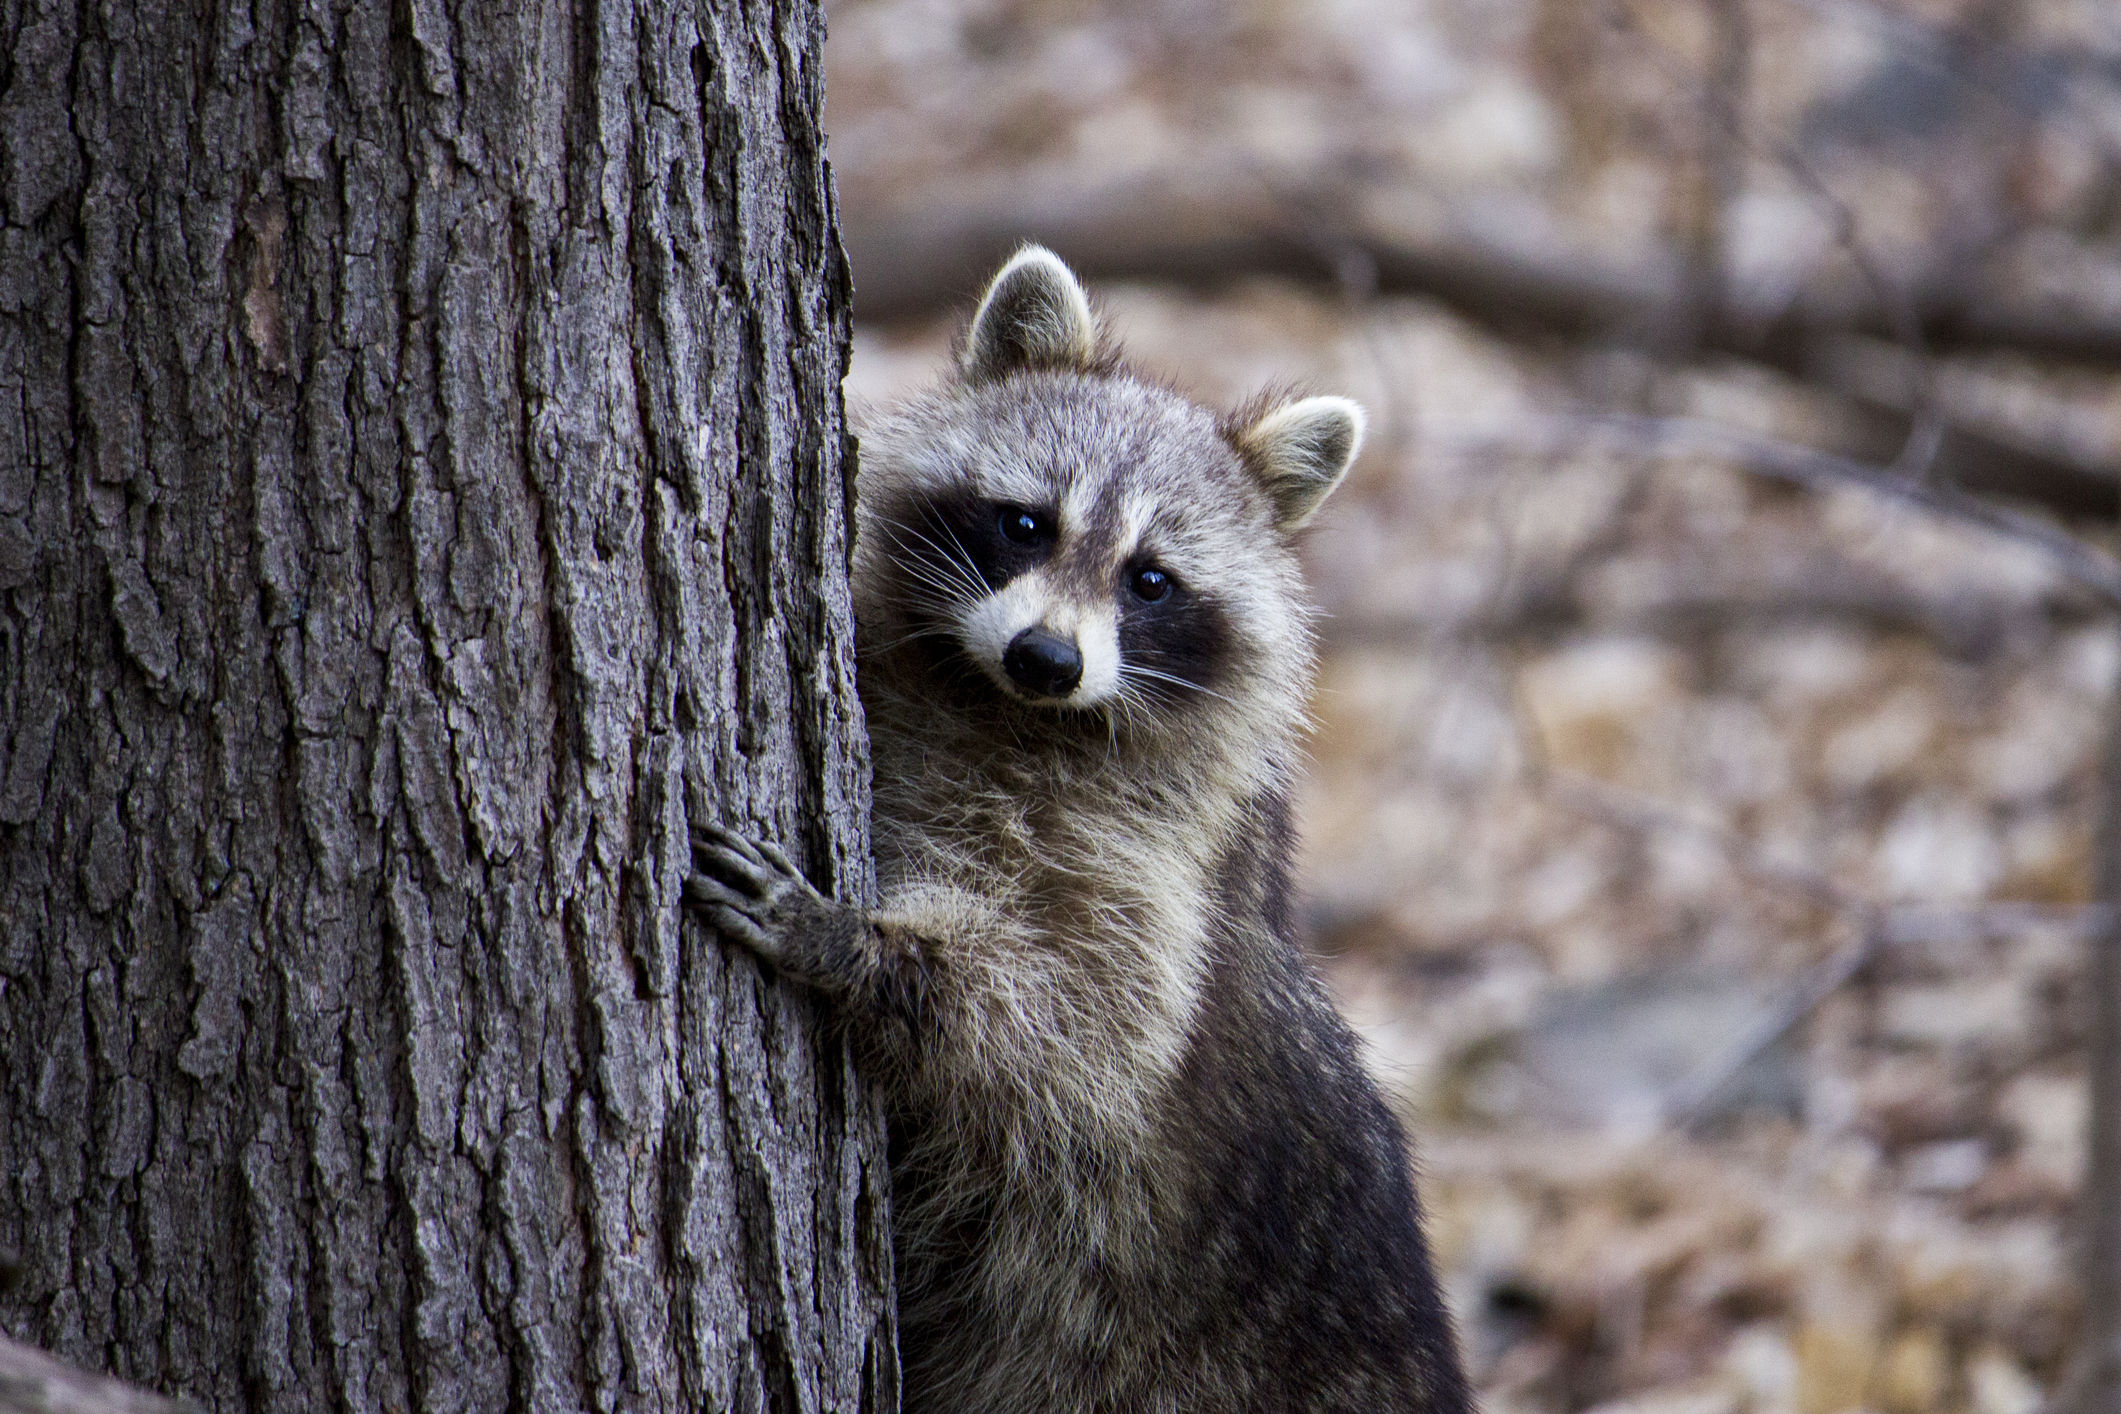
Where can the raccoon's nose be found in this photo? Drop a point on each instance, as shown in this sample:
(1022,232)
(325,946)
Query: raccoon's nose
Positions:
(1043,664)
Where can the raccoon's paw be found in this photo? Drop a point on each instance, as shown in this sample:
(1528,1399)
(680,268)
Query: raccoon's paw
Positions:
(751,894)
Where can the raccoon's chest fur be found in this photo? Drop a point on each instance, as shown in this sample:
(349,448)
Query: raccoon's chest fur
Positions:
(1039,1188)
(1093,915)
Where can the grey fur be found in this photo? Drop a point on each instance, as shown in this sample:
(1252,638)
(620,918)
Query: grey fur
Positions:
(1033,315)
(1300,452)
(1136,1163)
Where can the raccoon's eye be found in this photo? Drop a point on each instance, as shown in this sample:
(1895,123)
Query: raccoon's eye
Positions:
(1151,584)
(1024,527)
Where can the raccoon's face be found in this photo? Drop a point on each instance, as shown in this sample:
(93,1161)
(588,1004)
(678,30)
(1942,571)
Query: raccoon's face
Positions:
(1062,566)
(1067,537)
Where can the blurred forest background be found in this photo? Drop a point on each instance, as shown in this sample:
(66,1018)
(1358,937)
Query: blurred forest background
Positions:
(1720,640)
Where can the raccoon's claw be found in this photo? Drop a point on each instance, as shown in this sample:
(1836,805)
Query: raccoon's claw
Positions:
(748,890)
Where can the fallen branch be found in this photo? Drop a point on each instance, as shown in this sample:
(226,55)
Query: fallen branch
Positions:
(1964,629)
(1886,391)
(1209,228)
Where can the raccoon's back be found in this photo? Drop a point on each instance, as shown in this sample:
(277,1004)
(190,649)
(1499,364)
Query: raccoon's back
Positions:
(1314,1288)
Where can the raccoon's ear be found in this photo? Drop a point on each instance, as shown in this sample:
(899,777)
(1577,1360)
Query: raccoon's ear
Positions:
(1300,451)
(1034,315)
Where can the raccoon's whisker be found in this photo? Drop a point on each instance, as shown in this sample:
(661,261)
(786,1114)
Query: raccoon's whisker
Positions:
(946,567)
(962,579)
(1138,670)
(964,556)
(1107,712)
(932,595)
(1129,702)
(960,588)
(930,631)
(956,555)
(944,600)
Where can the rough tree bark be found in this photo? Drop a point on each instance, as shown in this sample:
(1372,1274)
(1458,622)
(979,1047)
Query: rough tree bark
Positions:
(421,487)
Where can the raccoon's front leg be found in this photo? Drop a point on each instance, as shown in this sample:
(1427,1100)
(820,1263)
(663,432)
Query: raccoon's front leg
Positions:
(751,894)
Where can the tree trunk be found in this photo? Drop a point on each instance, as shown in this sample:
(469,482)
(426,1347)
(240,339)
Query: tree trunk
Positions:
(422,487)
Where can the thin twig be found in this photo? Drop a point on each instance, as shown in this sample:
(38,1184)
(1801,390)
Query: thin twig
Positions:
(1810,991)
(1204,229)
(1895,302)
(1940,49)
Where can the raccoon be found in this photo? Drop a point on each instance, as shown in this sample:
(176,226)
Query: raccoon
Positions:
(1136,1162)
